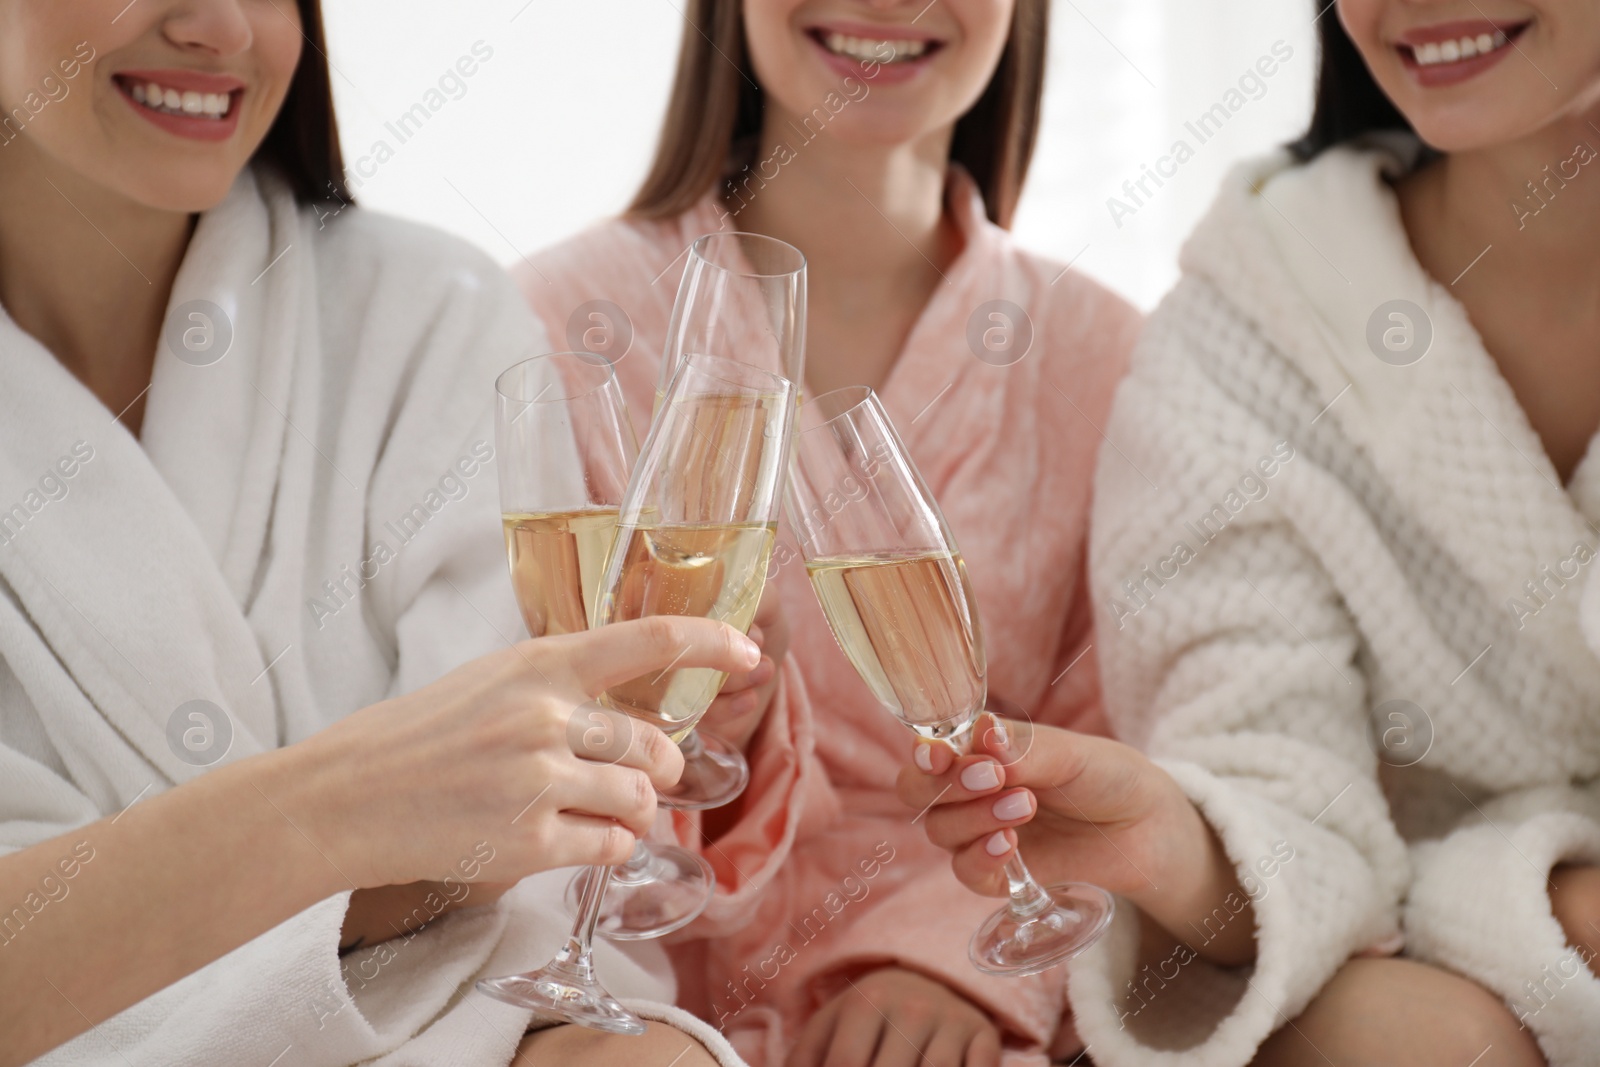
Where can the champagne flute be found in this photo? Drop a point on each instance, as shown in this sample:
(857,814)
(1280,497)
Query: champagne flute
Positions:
(742,297)
(895,591)
(696,529)
(565,453)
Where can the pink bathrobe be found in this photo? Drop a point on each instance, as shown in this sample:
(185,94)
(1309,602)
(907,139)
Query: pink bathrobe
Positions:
(827,875)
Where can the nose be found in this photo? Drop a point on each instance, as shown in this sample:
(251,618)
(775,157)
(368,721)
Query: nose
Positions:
(215,27)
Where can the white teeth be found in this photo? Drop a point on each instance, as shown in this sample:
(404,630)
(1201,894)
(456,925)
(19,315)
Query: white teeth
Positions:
(181,102)
(870,50)
(1432,54)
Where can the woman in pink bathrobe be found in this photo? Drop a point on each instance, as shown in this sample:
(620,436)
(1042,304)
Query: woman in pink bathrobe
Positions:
(887,140)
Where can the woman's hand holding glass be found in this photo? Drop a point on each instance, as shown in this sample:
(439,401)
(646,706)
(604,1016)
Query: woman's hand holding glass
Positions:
(493,742)
(1087,809)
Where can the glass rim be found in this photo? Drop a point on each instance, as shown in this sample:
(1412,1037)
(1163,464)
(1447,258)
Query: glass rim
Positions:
(592,359)
(705,363)
(864,396)
(698,245)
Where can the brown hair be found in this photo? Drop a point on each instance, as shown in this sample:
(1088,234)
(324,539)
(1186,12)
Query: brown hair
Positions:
(714,115)
(303,143)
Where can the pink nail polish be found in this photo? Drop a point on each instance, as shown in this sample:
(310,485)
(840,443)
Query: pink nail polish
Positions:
(981,777)
(922,756)
(997,845)
(1012,806)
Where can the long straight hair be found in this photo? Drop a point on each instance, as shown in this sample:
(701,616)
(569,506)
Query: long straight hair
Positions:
(1350,102)
(303,143)
(713,119)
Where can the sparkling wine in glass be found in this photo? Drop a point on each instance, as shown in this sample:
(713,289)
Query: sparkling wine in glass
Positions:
(696,530)
(742,297)
(565,453)
(895,591)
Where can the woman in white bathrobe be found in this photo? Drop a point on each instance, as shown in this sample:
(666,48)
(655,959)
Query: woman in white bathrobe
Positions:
(1342,555)
(249,520)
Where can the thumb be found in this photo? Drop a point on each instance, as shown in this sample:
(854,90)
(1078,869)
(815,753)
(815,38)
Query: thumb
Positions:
(596,660)
(1095,779)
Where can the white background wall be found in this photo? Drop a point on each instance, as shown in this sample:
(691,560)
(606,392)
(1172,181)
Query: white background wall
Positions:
(554,130)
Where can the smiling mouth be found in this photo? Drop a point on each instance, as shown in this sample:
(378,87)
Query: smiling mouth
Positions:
(886,51)
(1436,54)
(167,100)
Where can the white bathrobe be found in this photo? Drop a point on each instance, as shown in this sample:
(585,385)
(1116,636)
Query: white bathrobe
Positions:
(1305,555)
(308,525)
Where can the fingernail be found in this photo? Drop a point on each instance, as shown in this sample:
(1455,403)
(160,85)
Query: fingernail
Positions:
(1012,806)
(981,776)
(997,845)
(752,651)
(922,756)
(1001,739)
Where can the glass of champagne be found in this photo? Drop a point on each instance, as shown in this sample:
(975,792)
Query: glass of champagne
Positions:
(697,526)
(565,453)
(895,591)
(742,297)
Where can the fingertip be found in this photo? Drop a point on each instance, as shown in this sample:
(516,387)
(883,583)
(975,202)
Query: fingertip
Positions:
(748,651)
(994,737)
(922,756)
(999,843)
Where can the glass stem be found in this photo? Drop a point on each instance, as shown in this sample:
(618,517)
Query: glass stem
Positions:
(576,958)
(1028,897)
(641,866)
(691,746)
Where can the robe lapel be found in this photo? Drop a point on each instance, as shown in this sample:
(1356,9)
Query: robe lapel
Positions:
(1446,430)
(134,578)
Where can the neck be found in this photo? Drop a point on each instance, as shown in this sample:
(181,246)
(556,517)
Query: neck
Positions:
(871,212)
(1535,201)
(86,272)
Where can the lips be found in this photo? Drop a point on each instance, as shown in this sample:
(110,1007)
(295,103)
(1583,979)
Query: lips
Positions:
(885,53)
(192,104)
(1453,52)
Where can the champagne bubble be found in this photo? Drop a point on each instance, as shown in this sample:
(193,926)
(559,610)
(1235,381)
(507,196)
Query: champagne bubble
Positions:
(199,733)
(600,327)
(999,333)
(1399,333)
(198,332)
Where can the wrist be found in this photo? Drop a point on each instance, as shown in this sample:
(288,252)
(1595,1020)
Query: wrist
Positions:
(291,787)
(1197,897)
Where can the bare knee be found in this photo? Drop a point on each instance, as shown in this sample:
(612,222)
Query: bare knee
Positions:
(1400,1013)
(561,1045)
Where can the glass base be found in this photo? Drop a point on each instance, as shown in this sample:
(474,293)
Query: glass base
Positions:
(714,773)
(1011,944)
(666,893)
(567,991)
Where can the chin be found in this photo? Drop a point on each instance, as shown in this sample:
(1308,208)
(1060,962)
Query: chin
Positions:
(184,190)
(881,131)
(1472,129)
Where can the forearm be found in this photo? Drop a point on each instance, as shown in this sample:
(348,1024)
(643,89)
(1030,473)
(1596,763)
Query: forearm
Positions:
(157,892)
